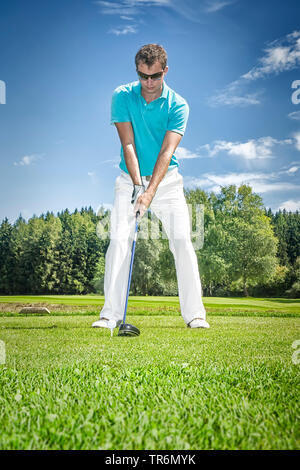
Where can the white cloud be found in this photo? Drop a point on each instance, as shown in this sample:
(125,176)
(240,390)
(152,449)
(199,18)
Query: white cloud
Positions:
(252,149)
(110,160)
(260,182)
(160,3)
(297,139)
(233,95)
(182,153)
(264,187)
(295,115)
(194,10)
(115,162)
(121,31)
(27,160)
(122,8)
(189,9)
(128,10)
(93,177)
(216,5)
(279,56)
(290,205)
(292,170)
(129,7)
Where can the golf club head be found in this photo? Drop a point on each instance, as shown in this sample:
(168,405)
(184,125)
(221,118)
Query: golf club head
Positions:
(128,330)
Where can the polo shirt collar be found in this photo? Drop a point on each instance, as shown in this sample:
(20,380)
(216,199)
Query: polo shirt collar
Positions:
(137,88)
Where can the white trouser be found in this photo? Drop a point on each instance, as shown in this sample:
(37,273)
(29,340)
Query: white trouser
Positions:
(169,205)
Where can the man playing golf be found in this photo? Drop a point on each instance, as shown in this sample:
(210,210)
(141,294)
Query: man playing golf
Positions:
(150,119)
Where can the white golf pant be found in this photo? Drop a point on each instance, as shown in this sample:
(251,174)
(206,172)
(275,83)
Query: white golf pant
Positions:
(169,205)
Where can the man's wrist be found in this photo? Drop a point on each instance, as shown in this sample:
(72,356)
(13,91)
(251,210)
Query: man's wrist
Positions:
(151,191)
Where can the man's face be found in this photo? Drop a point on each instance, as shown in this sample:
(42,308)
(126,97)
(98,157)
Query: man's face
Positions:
(151,86)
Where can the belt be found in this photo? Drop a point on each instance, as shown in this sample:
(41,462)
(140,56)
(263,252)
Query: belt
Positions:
(148,177)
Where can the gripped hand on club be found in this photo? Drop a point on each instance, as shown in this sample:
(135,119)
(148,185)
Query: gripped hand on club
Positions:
(142,203)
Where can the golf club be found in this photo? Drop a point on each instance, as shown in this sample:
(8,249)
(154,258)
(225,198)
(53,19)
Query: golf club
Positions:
(125,328)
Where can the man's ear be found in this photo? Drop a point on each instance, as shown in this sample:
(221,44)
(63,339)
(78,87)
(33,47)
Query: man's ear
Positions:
(166,69)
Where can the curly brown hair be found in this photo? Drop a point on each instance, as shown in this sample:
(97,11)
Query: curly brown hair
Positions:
(151,53)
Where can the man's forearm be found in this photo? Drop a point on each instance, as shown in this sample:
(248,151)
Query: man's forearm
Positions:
(132,163)
(159,171)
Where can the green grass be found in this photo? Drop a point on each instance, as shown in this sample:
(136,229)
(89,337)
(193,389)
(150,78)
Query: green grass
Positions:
(68,386)
(91,304)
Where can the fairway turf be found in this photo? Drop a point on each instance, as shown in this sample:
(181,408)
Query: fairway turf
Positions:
(66,385)
(147,305)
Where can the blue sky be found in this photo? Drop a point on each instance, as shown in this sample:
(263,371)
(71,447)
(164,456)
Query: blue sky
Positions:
(233,61)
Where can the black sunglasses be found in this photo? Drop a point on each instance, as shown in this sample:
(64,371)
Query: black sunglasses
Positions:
(154,76)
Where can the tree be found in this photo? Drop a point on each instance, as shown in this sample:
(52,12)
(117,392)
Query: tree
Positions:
(98,280)
(294,291)
(66,253)
(239,242)
(167,269)
(146,279)
(79,249)
(212,264)
(251,250)
(251,244)
(6,256)
(279,222)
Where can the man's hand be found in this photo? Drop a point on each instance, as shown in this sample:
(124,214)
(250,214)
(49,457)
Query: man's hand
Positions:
(143,203)
(138,190)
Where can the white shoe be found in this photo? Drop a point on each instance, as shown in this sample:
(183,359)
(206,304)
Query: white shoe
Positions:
(104,323)
(198,323)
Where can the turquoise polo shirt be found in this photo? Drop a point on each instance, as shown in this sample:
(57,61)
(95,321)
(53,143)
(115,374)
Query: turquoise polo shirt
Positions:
(150,121)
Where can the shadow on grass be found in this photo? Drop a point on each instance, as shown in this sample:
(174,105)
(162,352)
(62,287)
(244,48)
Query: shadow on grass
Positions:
(284,301)
(29,327)
(161,327)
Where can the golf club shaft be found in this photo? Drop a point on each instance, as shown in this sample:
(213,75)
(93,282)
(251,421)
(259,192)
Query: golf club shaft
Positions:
(131,264)
(132,250)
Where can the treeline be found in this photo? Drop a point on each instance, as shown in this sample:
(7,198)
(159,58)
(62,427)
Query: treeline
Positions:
(50,254)
(247,250)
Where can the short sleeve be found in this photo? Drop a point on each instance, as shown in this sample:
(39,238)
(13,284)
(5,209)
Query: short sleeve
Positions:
(119,107)
(178,118)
